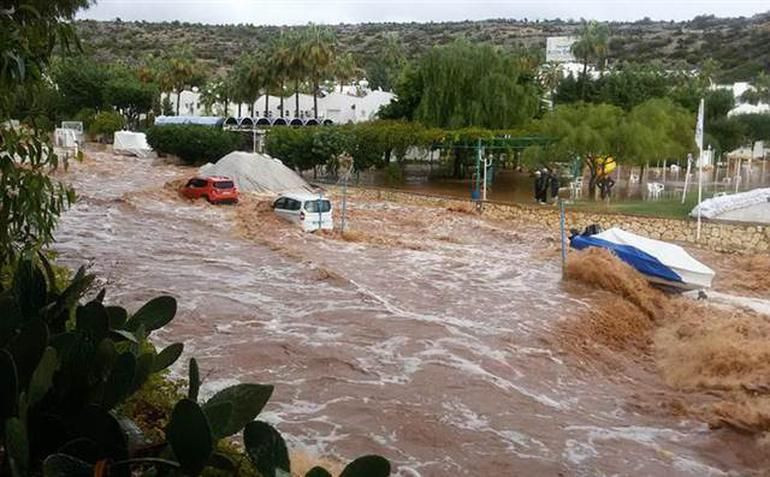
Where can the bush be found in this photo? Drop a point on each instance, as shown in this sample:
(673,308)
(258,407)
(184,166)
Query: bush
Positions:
(105,124)
(193,144)
(85,116)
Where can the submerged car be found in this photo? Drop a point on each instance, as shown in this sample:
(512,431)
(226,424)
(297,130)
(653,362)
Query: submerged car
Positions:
(311,212)
(215,189)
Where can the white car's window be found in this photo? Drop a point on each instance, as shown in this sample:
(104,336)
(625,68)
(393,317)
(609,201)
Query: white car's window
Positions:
(313,206)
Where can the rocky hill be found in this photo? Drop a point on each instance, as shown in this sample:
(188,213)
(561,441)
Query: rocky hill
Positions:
(740,45)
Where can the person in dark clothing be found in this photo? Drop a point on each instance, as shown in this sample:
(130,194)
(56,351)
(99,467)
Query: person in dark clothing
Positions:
(553,184)
(605,186)
(541,186)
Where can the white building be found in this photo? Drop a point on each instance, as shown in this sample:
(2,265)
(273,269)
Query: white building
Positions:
(354,104)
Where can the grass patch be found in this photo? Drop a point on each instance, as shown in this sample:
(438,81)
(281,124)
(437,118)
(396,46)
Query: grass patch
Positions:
(666,208)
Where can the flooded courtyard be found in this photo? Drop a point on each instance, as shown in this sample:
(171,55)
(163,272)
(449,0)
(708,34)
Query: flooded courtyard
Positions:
(427,335)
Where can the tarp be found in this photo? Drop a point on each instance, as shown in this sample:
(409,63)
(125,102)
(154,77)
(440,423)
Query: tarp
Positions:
(131,143)
(660,261)
(713,208)
(253,172)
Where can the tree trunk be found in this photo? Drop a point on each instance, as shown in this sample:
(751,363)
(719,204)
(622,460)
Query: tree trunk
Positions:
(296,99)
(280,114)
(178,100)
(315,99)
(252,108)
(267,103)
(592,178)
(585,73)
(227,113)
(239,110)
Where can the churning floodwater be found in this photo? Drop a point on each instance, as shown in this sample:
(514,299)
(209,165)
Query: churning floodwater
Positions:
(439,357)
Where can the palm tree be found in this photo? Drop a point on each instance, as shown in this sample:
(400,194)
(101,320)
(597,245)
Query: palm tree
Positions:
(319,51)
(592,45)
(176,75)
(246,78)
(255,79)
(345,70)
(298,65)
(280,58)
(550,76)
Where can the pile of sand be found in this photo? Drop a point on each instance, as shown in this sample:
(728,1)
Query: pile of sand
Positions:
(256,173)
(718,356)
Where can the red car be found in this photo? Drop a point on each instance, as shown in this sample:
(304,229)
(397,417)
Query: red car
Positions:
(216,189)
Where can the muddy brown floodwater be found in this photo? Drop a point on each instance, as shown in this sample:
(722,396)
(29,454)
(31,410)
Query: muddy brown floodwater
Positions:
(435,350)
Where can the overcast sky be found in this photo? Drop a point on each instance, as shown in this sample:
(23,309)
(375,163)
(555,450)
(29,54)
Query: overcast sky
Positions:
(289,12)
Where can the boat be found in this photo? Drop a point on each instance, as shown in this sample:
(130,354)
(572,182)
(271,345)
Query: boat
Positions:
(660,262)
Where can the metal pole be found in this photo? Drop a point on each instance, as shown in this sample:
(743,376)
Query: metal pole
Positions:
(700,192)
(478,167)
(344,200)
(563,237)
(686,177)
(484,194)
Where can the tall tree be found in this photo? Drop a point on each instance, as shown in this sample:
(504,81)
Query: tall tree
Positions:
(345,69)
(132,98)
(319,53)
(592,45)
(550,77)
(177,73)
(281,64)
(463,84)
(299,65)
(656,129)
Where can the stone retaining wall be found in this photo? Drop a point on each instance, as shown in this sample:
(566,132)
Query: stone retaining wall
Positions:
(718,236)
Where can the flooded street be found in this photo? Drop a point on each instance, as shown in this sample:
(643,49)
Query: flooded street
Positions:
(436,351)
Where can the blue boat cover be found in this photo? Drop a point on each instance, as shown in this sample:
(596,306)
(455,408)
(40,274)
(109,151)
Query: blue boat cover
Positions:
(642,261)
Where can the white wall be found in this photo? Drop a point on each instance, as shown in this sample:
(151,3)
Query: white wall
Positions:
(341,108)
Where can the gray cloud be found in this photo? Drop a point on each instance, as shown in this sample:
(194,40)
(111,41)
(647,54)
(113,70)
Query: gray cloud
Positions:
(281,12)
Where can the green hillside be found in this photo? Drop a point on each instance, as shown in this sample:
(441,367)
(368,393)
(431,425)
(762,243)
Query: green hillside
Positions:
(740,45)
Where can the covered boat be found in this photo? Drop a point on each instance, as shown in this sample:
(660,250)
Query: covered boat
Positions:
(661,262)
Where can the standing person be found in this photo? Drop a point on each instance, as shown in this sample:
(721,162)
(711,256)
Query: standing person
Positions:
(553,185)
(539,180)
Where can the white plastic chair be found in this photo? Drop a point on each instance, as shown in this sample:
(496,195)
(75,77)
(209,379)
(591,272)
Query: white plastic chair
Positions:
(654,190)
(576,188)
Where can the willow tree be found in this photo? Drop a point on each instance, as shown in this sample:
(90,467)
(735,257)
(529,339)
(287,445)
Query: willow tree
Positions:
(466,84)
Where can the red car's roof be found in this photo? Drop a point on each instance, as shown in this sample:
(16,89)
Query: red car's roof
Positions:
(213,178)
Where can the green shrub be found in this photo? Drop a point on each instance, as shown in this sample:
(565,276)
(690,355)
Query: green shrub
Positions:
(394,175)
(193,144)
(86,116)
(105,124)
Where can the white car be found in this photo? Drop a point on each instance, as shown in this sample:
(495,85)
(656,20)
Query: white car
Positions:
(311,212)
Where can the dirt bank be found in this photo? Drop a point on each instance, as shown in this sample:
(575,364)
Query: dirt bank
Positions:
(716,359)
